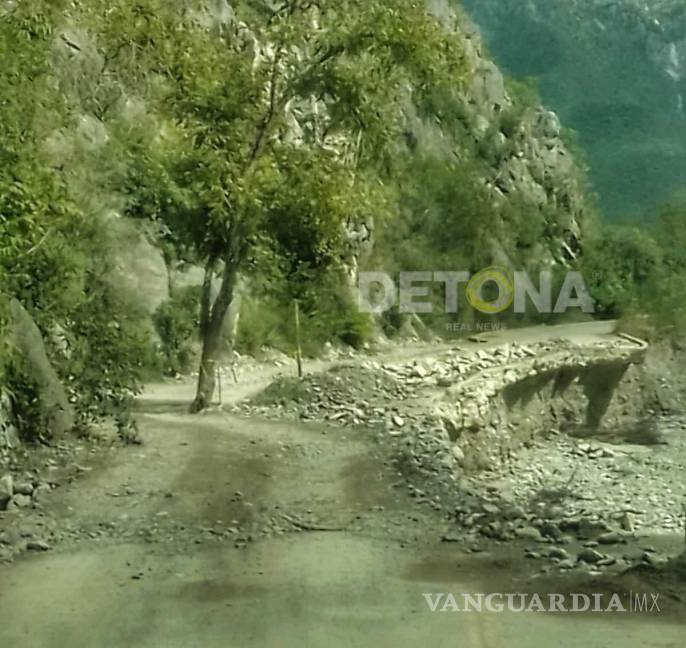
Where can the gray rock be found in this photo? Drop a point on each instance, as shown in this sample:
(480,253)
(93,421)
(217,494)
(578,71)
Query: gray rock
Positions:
(610,538)
(24,488)
(38,545)
(590,556)
(551,530)
(558,553)
(627,522)
(6,491)
(528,533)
(21,501)
(40,492)
(10,537)
(651,559)
(458,454)
(515,513)
(28,343)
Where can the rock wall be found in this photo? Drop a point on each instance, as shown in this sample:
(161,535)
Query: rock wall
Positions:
(516,142)
(138,267)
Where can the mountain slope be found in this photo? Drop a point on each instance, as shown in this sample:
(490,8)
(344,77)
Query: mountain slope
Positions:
(615,71)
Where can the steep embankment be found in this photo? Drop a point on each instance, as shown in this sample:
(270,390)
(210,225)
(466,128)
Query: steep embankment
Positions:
(614,71)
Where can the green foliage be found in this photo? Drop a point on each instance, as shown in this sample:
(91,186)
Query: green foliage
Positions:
(450,220)
(271,136)
(524,91)
(619,266)
(229,141)
(52,256)
(605,83)
(639,275)
(176,322)
(108,349)
(30,416)
(327,314)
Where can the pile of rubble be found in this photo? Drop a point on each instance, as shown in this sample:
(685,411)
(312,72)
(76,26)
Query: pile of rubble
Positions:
(23,495)
(27,476)
(347,394)
(552,490)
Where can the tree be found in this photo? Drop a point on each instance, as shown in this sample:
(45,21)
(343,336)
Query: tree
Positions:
(283,120)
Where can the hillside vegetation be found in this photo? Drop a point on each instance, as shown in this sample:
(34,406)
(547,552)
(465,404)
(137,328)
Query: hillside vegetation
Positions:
(615,71)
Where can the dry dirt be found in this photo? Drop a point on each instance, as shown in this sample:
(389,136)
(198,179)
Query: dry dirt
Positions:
(232,532)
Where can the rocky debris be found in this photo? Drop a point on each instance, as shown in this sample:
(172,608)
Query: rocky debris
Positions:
(38,545)
(19,534)
(27,476)
(529,533)
(599,494)
(20,501)
(558,553)
(347,394)
(611,538)
(466,386)
(24,488)
(486,410)
(551,489)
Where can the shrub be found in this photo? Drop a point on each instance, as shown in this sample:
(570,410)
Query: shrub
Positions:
(176,323)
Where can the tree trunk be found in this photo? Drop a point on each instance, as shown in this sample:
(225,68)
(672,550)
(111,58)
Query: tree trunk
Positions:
(207,372)
(211,328)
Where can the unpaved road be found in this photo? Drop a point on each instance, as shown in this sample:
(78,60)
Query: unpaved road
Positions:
(256,534)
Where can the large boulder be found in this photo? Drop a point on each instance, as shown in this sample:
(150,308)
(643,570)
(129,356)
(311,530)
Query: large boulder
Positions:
(139,270)
(27,343)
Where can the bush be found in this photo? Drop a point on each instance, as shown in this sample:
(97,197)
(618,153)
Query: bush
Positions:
(109,350)
(328,313)
(264,323)
(29,415)
(176,323)
(620,267)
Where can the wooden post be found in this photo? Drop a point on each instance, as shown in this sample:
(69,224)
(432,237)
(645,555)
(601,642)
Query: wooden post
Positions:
(298,349)
(219,385)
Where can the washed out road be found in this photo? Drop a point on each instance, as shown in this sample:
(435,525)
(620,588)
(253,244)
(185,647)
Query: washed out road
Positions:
(349,571)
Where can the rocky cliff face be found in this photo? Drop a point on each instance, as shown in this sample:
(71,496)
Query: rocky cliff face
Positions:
(529,159)
(516,144)
(615,71)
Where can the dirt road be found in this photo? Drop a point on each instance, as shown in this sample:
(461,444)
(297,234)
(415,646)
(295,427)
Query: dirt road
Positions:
(224,532)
